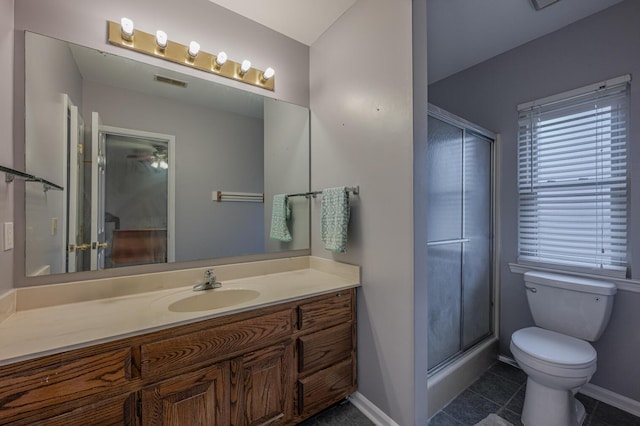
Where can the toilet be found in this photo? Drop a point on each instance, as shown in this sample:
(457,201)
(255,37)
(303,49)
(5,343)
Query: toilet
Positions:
(569,312)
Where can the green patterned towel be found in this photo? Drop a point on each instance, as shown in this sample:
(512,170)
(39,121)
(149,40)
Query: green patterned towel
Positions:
(280,213)
(334,219)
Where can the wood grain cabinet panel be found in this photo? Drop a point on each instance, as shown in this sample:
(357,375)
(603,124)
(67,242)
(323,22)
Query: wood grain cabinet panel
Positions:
(200,398)
(119,411)
(190,349)
(262,386)
(325,387)
(333,310)
(55,384)
(325,348)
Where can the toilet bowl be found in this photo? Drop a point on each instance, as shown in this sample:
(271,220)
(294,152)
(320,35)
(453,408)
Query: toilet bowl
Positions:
(556,355)
(556,365)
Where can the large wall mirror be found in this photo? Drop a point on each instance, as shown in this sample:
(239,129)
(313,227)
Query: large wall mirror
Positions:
(141,152)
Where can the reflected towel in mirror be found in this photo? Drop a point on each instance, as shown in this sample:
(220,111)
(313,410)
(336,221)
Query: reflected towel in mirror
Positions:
(280,213)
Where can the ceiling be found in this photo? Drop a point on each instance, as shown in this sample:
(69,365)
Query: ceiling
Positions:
(461,33)
(302,20)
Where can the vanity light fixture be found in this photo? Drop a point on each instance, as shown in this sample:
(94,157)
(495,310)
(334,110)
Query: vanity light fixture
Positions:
(159,46)
(220,60)
(194,48)
(126,26)
(161,39)
(267,74)
(245,67)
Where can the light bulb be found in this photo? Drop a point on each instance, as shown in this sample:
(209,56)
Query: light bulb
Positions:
(194,48)
(126,26)
(221,59)
(268,73)
(164,165)
(245,66)
(161,39)
(154,164)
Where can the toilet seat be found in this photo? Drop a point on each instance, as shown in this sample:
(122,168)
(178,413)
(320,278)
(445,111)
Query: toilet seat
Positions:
(553,353)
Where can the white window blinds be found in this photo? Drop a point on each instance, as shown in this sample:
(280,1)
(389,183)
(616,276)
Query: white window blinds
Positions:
(572,178)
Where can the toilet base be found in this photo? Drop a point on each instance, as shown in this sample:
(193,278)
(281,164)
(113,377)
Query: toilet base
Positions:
(544,406)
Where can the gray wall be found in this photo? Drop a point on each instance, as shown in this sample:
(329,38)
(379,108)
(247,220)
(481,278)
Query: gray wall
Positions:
(361,132)
(6,135)
(46,147)
(286,166)
(215,150)
(599,47)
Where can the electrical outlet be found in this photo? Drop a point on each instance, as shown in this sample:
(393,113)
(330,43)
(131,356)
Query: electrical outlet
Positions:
(54,225)
(8,236)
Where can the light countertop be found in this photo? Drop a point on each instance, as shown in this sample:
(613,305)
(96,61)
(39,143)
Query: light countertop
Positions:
(28,333)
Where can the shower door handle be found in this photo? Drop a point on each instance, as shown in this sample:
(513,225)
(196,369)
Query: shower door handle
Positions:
(443,242)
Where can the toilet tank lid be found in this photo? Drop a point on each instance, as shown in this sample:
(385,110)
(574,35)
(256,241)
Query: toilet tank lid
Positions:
(570,282)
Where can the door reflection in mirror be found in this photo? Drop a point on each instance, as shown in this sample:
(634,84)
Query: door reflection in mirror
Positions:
(131,209)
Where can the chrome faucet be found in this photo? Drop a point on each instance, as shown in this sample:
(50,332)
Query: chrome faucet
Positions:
(209,282)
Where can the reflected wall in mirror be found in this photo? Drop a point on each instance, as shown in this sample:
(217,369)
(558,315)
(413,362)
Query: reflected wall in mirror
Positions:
(140,150)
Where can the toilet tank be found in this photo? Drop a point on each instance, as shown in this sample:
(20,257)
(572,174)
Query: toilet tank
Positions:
(570,305)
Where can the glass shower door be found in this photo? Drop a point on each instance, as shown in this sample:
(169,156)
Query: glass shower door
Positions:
(460,245)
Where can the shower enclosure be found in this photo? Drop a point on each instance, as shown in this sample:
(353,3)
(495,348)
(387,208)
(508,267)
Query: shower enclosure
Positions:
(460,237)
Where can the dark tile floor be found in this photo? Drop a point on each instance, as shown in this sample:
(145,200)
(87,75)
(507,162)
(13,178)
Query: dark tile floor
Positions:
(341,414)
(501,390)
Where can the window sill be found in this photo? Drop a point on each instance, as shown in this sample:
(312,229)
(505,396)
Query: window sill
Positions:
(623,284)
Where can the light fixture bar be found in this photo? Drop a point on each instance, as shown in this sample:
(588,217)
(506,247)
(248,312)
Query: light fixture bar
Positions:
(175,52)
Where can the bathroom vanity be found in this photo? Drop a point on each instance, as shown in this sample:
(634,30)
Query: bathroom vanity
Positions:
(272,359)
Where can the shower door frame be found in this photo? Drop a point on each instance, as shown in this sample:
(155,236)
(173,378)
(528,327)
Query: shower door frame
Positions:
(465,125)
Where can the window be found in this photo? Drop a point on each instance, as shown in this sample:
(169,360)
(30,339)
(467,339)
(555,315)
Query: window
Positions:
(572,179)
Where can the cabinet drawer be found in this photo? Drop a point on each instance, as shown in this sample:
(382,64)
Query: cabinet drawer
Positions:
(207,345)
(63,382)
(112,412)
(337,308)
(325,387)
(324,348)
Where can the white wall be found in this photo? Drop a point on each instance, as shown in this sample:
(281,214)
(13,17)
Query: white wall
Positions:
(46,147)
(602,46)
(361,134)
(215,150)
(6,135)
(286,166)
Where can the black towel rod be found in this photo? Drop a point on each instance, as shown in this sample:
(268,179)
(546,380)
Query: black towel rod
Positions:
(11,174)
(355,190)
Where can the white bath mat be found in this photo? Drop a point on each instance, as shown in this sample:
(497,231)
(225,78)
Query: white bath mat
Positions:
(493,420)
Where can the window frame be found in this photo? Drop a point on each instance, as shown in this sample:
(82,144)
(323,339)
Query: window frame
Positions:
(530,166)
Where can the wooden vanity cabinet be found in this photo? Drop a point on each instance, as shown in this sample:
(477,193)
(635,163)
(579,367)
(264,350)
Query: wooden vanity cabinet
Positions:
(274,365)
(326,355)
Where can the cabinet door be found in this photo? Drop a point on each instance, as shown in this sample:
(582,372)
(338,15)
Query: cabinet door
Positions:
(262,386)
(194,399)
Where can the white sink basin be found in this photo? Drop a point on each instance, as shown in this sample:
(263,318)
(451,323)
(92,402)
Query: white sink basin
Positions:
(213,299)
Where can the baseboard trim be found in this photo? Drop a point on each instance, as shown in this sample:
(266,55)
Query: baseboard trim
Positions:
(619,401)
(596,392)
(368,408)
